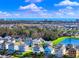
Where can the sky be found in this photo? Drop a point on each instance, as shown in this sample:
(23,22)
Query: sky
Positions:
(39,8)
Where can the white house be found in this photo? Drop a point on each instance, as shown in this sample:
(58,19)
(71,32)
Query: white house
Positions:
(63,48)
(59,50)
(10,49)
(7,46)
(38,41)
(27,48)
(41,49)
(8,37)
(29,41)
(35,41)
(58,53)
(53,51)
(16,47)
(1,38)
(14,41)
(9,41)
(1,41)
(1,44)
(36,48)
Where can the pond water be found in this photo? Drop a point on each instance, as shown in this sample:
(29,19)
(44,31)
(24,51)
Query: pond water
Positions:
(70,41)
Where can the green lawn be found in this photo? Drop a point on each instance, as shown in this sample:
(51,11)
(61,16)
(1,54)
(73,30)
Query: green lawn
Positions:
(23,54)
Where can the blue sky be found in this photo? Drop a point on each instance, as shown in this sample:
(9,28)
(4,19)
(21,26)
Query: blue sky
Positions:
(39,8)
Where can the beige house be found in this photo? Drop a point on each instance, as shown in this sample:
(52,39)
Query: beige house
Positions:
(77,51)
(77,35)
(71,52)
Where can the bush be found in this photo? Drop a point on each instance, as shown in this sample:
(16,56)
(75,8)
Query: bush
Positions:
(38,55)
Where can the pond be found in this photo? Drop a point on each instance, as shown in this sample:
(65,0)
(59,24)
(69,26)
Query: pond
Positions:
(73,41)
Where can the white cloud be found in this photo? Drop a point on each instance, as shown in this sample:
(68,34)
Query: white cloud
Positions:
(34,10)
(67,3)
(71,13)
(0,12)
(4,14)
(69,7)
(32,7)
(7,14)
(16,14)
(66,12)
(33,1)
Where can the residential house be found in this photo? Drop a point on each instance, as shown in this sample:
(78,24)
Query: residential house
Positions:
(13,41)
(29,41)
(63,48)
(16,47)
(10,48)
(27,48)
(77,35)
(68,46)
(77,51)
(36,48)
(72,52)
(58,51)
(48,50)
(1,44)
(21,48)
(38,41)
(41,49)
